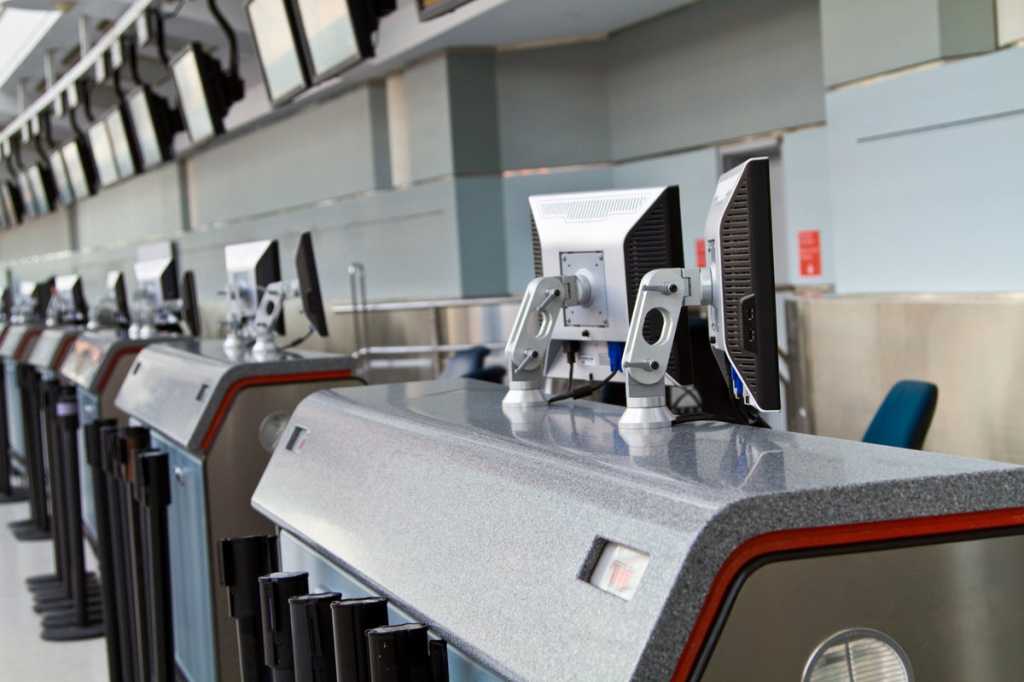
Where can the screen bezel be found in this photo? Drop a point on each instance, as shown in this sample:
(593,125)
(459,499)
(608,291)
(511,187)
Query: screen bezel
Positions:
(96,158)
(90,174)
(305,66)
(131,145)
(61,179)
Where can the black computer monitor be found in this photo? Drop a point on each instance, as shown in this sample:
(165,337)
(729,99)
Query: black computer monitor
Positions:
(68,288)
(741,321)
(190,311)
(28,197)
(117,292)
(13,205)
(201,96)
(309,284)
(155,124)
(251,267)
(43,189)
(430,9)
(122,141)
(103,153)
(65,193)
(335,35)
(275,30)
(80,167)
(612,239)
(156,272)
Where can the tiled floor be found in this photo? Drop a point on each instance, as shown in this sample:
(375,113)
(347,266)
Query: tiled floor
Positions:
(23,655)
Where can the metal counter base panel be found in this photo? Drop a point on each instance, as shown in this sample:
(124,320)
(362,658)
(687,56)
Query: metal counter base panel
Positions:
(486,525)
(215,415)
(325,576)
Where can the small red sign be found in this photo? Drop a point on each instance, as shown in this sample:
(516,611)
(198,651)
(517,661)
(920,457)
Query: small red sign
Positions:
(702,256)
(810,253)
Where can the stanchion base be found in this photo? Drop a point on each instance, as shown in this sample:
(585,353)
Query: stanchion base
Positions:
(16,495)
(27,531)
(71,633)
(59,619)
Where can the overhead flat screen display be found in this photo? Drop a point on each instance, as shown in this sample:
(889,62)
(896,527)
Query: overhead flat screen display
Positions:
(331,36)
(121,143)
(145,131)
(60,177)
(103,153)
(42,197)
(28,199)
(10,207)
(75,166)
(192,96)
(284,72)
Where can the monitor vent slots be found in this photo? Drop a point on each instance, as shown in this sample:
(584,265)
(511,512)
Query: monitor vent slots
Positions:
(584,210)
(645,248)
(538,257)
(736,279)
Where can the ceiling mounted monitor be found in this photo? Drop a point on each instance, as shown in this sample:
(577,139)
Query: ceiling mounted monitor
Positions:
(203,105)
(80,168)
(13,206)
(42,188)
(429,9)
(65,193)
(28,199)
(122,141)
(335,35)
(276,33)
(155,125)
(103,153)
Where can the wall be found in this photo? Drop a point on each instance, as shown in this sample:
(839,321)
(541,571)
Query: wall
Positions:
(712,72)
(925,179)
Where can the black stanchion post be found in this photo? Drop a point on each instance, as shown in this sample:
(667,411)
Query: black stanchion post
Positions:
(112,446)
(8,492)
(37,526)
(93,439)
(154,487)
(85,622)
(134,442)
(242,562)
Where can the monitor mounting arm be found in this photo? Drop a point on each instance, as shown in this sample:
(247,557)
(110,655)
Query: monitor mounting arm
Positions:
(528,345)
(666,291)
(270,310)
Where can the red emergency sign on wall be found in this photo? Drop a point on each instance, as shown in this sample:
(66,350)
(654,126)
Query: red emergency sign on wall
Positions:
(702,258)
(810,253)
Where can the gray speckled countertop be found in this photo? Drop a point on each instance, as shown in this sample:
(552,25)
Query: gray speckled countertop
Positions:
(479,522)
(177,388)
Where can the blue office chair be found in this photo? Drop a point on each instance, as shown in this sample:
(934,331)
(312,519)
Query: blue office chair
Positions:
(903,419)
(469,363)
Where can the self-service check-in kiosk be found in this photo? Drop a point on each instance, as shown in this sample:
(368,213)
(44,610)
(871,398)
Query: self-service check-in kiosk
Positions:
(217,408)
(546,536)
(159,311)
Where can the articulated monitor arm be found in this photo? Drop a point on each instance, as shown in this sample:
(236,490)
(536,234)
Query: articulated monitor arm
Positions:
(527,346)
(666,291)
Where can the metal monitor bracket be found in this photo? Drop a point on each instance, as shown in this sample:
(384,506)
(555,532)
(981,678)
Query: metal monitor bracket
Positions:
(527,346)
(270,310)
(666,291)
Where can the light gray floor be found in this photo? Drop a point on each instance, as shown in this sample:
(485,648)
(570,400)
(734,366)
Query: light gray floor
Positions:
(23,655)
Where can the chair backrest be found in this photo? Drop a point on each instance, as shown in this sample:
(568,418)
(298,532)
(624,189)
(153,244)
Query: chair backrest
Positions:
(465,362)
(904,416)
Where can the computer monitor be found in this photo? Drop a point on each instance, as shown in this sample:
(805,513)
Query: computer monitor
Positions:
(28,197)
(611,240)
(430,9)
(190,311)
(122,141)
(71,297)
(251,267)
(13,206)
(65,193)
(80,167)
(741,318)
(276,33)
(205,92)
(117,293)
(156,272)
(335,35)
(155,125)
(103,153)
(43,189)
(309,285)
